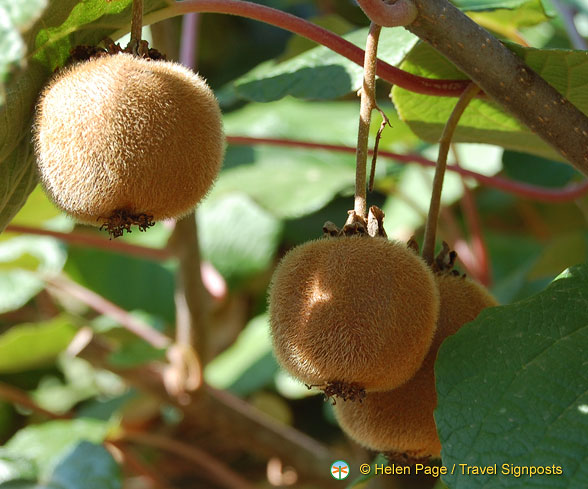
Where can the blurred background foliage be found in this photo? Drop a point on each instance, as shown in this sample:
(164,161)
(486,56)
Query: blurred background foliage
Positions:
(267,199)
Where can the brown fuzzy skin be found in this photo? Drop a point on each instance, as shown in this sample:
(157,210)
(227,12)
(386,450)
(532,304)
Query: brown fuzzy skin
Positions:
(122,132)
(345,309)
(401,420)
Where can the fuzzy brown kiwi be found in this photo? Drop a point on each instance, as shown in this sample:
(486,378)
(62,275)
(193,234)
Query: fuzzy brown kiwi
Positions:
(121,136)
(343,310)
(400,422)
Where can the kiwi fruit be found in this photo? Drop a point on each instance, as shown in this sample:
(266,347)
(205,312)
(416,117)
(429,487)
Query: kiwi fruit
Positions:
(122,137)
(400,422)
(352,314)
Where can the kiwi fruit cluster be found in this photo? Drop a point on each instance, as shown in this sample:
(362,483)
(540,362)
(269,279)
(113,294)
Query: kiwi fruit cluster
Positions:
(124,140)
(363,318)
(400,422)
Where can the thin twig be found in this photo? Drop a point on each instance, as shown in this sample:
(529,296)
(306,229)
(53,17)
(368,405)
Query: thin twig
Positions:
(383,124)
(368,103)
(444,144)
(214,469)
(565,194)
(104,306)
(18,396)
(136,25)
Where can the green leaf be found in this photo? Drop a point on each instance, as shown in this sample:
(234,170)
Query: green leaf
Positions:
(15,467)
(23,260)
(47,443)
(289,183)
(536,170)
(28,346)
(512,389)
(506,21)
(485,121)
(320,74)
(17,18)
(248,364)
(120,279)
(87,465)
(245,242)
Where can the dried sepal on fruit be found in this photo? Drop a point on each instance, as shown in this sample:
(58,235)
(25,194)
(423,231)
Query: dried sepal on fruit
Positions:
(122,140)
(400,422)
(352,313)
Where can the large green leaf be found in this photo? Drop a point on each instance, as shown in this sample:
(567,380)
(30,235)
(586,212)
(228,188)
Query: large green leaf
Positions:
(289,183)
(45,444)
(485,121)
(89,466)
(28,346)
(34,41)
(512,388)
(320,73)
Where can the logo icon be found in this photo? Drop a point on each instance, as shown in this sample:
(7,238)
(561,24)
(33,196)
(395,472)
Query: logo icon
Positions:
(340,470)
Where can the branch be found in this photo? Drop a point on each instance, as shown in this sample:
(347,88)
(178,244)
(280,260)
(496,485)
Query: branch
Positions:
(389,14)
(368,103)
(505,77)
(525,190)
(104,306)
(289,22)
(229,417)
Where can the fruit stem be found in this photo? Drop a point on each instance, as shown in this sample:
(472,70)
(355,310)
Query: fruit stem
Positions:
(136,25)
(444,144)
(368,103)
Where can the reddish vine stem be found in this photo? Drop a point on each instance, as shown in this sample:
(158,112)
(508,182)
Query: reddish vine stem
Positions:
(104,306)
(315,33)
(445,142)
(368,103)
(533,192)
(16,396)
